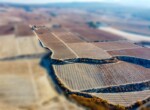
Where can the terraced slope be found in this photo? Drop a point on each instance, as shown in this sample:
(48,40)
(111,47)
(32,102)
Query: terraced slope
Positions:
(116,45)
(55,45)
(137,52)
(87,73)
(80,76)
(69,47)
(125,99)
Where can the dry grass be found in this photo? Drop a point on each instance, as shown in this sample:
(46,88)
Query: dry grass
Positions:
(14,67)
(95,103)
(28,45)
(11,46)
(23,85)
(60,103)
(4,106)
(7,46)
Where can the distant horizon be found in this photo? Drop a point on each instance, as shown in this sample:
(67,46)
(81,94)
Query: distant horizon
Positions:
(56,2)
(48,2)
(135,3)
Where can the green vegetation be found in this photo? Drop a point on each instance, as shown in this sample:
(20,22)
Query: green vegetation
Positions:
(94,24)
(53,14)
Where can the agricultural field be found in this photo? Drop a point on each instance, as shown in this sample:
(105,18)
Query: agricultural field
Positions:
(6,28)
(91,51)
(8,46)
(137,52)
(55,45)
(59,43)
(91,68)
(33,46)
(116,45)
(86,62)
(81,76)
(125,99)
(22,29)
(11,46)
(68,37)
(92,35)
(20,75)
(25,85)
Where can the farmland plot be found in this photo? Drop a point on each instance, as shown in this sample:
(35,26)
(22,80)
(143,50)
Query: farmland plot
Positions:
(25,83)
(57,30)
(68,37)
(138,52)
(16,84)
(59,49)
(125,99)
(81,76)
(44,87)
(6,106)
(88,50)
(61,52)
(116,45)
(64,46)
(22,29)
(28,45)
(6,29)
(93,35)
(37,45)
(12,46)
(25,46)
(8,46)
(46,36)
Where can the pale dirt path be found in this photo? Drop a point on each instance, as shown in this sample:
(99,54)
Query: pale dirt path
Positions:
(129,36)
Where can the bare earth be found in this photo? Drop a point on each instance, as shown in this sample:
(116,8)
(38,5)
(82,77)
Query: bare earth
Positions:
(129,36)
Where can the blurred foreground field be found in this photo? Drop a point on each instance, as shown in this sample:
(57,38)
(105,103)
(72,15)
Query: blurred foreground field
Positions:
(11,46)
(24,84)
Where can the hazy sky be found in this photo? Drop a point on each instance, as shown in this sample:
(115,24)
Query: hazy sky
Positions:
(48,1)
(126,2)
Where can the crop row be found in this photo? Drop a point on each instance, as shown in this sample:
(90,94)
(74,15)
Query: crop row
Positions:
(92,35)
(126,99)
(68,37)
(138,52)
(116,45)
(80,76)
